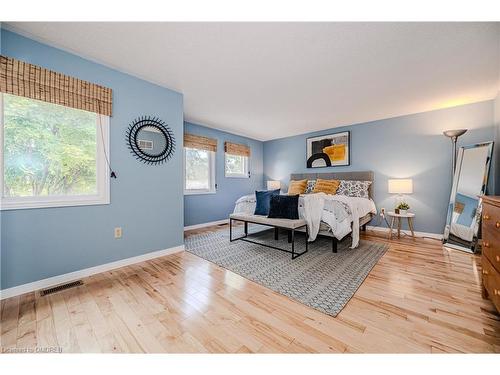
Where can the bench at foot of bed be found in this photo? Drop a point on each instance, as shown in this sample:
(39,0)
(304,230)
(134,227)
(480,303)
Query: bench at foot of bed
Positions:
(290,225)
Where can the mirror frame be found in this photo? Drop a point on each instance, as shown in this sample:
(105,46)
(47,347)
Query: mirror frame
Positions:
(133,142)
(451,204)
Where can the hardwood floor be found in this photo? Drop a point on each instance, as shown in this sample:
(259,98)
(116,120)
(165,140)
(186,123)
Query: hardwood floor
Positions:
(419,298)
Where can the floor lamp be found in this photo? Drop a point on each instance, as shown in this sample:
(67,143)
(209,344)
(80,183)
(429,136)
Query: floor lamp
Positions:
(453,135)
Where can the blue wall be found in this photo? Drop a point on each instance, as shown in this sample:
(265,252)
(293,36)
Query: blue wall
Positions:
(402,147)
(146,201)
(205,208)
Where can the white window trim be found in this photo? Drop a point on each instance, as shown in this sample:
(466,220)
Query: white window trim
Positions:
(103,186)
(213,188)
(246,174)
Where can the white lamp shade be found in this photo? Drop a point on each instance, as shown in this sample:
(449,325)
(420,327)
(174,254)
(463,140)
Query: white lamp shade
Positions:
(400,186)
(273,185)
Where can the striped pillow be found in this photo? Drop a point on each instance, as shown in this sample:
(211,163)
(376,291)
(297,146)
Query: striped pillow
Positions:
(326,186)
(297,187)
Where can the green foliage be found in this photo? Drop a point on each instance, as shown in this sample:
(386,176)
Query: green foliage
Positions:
(235,164)
(48,149)
(403,206)
(197,169)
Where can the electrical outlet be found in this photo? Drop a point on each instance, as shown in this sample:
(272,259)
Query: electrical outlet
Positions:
(118,232)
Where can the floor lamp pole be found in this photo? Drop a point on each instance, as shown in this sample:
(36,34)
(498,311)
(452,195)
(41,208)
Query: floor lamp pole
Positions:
(454,156)
(453,135)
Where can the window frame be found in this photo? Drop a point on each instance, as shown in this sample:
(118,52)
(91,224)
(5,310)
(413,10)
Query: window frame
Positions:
(102,176)
(246,174)
(212,174)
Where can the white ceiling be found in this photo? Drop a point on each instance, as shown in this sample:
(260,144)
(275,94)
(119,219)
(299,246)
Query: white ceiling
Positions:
(271,80)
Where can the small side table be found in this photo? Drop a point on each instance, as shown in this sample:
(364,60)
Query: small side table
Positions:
(398,218)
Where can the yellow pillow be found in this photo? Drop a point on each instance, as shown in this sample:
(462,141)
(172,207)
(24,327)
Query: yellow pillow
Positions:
(297,187)
(326,186)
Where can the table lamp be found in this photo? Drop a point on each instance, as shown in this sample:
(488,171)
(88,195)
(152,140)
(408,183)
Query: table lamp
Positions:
(273,185)
(400,186)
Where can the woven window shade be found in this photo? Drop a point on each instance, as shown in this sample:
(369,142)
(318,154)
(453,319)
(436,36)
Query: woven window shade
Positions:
(34,82)
(236,149)
(199,142)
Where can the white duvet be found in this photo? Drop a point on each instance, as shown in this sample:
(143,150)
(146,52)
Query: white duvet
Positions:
(315,208)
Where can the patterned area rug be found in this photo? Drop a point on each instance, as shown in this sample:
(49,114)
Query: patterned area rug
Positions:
(320,279)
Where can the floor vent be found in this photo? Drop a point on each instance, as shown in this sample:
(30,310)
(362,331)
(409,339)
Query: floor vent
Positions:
(58,288)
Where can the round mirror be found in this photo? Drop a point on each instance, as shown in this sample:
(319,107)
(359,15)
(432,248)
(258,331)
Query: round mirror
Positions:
(150,140)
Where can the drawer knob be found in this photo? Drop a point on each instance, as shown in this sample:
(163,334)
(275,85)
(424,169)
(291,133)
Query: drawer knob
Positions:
(485,272)
(497,224)
(495,292)
(497,258)
(486,217)
(486,244)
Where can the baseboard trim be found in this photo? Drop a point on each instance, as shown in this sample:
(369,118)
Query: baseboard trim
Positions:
(436,236)
(72,276)
(417,234)
(203,225)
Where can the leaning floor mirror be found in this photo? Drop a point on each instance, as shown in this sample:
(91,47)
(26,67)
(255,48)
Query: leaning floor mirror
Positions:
(470,182)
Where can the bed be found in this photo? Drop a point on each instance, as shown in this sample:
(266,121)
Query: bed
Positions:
(365,207)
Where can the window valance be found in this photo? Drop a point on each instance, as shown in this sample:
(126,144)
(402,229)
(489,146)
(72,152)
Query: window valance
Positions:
(236,149)
(199,142)
(34,82)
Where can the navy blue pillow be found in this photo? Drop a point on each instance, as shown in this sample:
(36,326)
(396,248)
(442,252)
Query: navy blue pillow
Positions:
(263,199)
(284,207)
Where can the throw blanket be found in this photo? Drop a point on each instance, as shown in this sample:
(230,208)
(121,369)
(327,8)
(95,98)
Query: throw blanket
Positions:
(313,214)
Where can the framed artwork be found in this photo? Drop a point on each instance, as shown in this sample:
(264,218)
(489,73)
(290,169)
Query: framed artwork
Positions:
(332,150)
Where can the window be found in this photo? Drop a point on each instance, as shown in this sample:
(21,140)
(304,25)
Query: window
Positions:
(199,171)
(236,166)
(51,155)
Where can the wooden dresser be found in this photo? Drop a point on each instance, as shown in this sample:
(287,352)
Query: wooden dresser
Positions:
(491,249)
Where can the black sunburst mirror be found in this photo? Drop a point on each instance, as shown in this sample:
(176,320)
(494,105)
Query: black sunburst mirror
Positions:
(150,140)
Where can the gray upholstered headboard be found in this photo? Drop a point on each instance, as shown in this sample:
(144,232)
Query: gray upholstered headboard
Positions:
(359,175)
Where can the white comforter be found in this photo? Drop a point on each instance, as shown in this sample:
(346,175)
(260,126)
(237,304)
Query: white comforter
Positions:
(312,208)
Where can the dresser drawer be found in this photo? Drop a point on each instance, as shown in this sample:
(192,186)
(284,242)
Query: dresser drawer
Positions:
(491,245)
(491,282)
(491,216)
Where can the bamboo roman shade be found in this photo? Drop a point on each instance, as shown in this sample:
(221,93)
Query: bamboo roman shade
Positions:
(34,82)
(199,142)
(236,149)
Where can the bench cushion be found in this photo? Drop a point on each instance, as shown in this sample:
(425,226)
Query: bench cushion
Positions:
(260,219)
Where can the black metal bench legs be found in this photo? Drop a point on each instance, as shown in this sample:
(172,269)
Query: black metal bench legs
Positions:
(291,237)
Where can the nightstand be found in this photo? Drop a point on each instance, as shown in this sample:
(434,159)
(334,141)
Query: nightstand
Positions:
(398,218)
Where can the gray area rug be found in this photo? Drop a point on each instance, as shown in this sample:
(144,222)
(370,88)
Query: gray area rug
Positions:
(320,279)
